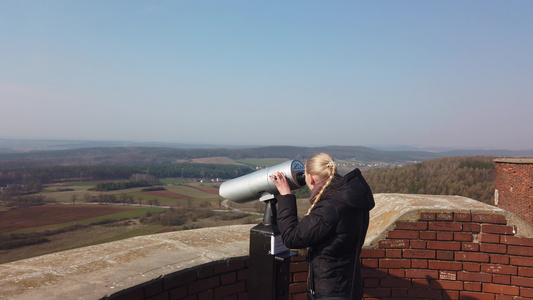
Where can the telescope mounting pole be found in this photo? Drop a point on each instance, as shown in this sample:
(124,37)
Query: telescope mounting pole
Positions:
(271,213)
(269,259)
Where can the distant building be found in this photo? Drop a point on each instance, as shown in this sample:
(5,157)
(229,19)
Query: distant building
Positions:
(514,186)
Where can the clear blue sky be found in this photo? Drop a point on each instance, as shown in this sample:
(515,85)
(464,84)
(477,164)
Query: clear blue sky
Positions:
(422,73)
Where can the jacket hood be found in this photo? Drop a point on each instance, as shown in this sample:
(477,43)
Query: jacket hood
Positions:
(352,190)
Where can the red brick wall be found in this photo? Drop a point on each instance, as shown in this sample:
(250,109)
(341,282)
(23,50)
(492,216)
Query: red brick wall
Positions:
(219,280)
(450,256)
(514,183)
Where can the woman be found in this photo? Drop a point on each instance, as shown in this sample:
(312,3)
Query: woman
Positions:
(334,228)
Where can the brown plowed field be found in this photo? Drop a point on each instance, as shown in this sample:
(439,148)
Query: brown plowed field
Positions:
(208,189)
(53,214)
(172,195)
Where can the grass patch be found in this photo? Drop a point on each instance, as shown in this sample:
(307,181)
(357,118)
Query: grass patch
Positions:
(83,184)
(172,181)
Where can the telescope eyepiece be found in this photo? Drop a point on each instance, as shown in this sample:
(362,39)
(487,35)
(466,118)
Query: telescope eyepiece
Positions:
(300,178)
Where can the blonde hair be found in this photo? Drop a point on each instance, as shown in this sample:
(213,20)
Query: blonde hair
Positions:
(323,166)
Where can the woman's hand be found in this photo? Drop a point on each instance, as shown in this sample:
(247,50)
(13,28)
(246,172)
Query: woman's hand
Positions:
(281,183)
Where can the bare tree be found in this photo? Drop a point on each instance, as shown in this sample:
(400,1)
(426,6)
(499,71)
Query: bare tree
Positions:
(87,197)
(124,198)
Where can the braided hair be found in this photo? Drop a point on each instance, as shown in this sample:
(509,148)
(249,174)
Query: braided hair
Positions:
(323,166)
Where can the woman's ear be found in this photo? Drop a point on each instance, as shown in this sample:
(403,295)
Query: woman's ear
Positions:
(313,179)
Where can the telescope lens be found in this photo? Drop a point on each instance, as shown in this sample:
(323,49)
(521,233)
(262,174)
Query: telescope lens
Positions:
(300,178)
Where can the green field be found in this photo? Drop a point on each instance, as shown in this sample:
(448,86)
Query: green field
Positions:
(168,181)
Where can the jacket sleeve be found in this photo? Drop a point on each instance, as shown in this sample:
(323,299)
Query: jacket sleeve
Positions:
(309,231)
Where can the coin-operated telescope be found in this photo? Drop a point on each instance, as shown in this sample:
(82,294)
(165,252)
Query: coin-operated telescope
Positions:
(269,259)
(258,185)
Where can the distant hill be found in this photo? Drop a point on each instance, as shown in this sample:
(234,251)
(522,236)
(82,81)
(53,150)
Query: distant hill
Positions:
(136,155)
(156,155)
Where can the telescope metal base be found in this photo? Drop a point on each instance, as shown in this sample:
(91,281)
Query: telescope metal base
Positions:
(269,272)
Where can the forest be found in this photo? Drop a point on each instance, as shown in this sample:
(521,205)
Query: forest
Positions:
(43,175)
(471,177)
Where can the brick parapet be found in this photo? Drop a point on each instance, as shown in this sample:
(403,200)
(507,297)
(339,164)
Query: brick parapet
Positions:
(450,256)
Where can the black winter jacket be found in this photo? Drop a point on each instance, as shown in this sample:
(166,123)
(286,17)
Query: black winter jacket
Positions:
(334,231)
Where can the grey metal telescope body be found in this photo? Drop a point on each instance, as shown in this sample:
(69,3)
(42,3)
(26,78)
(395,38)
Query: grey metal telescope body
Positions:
(258,185)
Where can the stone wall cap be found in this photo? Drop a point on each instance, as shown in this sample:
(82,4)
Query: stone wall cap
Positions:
(97,271)
(514,160)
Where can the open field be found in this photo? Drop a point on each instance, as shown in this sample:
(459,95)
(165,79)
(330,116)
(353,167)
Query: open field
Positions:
(177,192)
(37,216)
(69,223)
